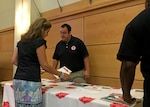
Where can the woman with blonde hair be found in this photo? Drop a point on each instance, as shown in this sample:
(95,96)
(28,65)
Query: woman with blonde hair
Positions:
(29,55)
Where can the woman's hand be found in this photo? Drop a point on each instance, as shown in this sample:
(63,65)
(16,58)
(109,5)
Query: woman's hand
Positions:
(42,71)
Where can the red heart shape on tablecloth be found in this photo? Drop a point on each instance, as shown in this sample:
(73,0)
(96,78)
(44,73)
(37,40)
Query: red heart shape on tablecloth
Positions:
(12,86)
(5,104)
(44,90)
(86,99)
(117,105)
(61,94)
(70,87)
(92,84)
(53,84)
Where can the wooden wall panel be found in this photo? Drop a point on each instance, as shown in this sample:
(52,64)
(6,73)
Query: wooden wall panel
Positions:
(114,82)
(7,40)
(105,1)
(47,76)
(84,6)
(49,53)
(0,51)
(6,50)
(77,27)
(54,36)
(103,62)
(131,12)
(6,74)
(0,42)
(0,60)
(6,60)
(108,27)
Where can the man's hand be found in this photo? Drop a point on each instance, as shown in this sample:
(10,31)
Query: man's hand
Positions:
(42,71)
(86,74)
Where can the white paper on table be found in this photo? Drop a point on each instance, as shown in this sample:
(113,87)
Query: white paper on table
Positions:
(65,70)
(137,93)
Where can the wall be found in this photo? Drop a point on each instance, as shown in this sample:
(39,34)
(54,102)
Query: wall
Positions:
(53,4)
(100,25)
(7,11)
(6,48)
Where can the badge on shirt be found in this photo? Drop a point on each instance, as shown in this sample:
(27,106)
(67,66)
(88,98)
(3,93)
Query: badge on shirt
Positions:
(73,48)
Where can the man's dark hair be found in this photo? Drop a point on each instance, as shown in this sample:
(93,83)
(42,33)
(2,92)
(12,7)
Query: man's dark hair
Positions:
(67,26)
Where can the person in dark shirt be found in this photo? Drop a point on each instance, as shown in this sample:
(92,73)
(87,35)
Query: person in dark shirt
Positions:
(29,56)
(72,53)
(134,48)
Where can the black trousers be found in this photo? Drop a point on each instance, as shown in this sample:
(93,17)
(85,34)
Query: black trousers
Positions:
(146,102)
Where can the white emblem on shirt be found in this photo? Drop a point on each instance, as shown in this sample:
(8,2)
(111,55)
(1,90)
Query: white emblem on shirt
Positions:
(73,48)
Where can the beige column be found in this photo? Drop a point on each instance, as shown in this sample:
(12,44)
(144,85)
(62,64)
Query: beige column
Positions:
(22,20)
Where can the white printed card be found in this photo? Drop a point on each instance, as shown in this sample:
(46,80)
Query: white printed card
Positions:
(64,69)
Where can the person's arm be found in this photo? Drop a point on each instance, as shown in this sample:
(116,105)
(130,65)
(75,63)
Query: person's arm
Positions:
(44,64)
(15,57)
(87,67)
(55,63)
(127,74)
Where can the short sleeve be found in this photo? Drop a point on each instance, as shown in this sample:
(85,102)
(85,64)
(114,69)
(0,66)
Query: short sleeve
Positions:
(18,44)
(40,42)
(55,55)
(129,49)
(135,41)
(83,49)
